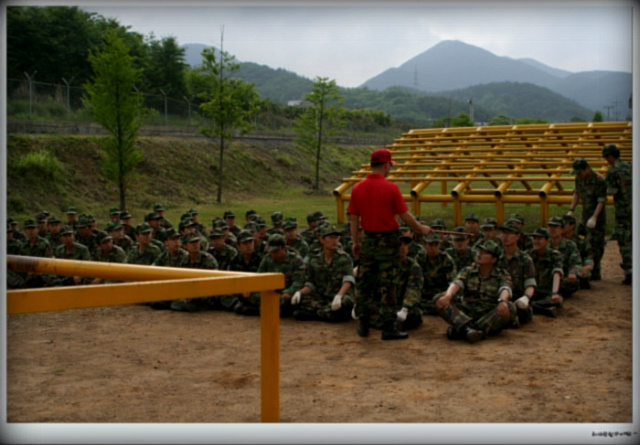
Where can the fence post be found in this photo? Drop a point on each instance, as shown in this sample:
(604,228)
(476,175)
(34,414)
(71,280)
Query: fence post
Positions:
(30,92)
(68,84)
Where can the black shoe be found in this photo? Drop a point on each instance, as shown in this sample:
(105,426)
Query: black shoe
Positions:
(549,311)
(584,283)
(363,328)
(627,279)
(161,305)
(595,276)
(249,310)
(303,315)
(472,335)
(452,334)
(391,332)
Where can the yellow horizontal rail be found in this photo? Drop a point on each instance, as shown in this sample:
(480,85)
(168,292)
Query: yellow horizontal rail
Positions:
(157,284)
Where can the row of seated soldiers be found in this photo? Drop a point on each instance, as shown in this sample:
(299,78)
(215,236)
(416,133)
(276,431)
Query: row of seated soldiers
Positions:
(316,289)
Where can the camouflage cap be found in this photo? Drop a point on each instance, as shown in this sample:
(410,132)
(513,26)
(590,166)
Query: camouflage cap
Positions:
(158,208)
(276,242)
(438,223)
(541,231)
(555,221)
(191,237)
(472,217)
(492,247)
(579,165)
(220,224)
(30,224)
(406,238)
(53,220)
(610,149)
(489,223)
(289,224)
(244,236)
(251,226)
(463,234)
(249,213)
(114,211)
(152,216)
(72,210)
(103,236)
(113,225)
(260,222)
(185,222)
(11,221)
(432,238)
(65,230)
(40,217)
(229,214)
(277,217)
(311,217)
(569,219)
(216,233)
(143,228)
(192,211)
(328,229)
(518,217)
(9,228)
(171,234)
(512,226)
(125,215)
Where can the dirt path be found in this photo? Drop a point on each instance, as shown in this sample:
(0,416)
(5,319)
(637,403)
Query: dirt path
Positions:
(134,364)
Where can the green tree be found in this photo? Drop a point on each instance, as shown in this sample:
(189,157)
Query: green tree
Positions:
(597,117)
(501,119)
(317,125)
(166,67)
(112,102)
(229,101)
(462,120)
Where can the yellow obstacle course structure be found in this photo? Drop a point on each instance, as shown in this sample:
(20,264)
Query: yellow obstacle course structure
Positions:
(158,284)
(526,164)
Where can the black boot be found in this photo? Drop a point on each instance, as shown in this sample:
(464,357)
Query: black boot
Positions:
(363,327)
(391,332)
(584,283)
(470,334)
(549,311)
(627,279)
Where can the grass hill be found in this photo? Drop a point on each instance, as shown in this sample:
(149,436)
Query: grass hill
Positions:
(52,172)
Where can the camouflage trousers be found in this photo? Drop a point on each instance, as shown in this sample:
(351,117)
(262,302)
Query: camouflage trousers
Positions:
(377,281)
(320,306)
(568,288)
(598,242)
(622,234)
(483,317)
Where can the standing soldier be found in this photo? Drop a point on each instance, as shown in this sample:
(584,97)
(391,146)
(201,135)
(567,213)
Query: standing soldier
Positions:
(619,184)
(484,306)
(375,202)
(327,293)
(520,266)
(591,189)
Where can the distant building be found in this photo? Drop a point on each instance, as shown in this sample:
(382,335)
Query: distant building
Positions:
(299,103)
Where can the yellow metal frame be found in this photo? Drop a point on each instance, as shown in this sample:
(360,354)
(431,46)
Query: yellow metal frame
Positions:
(157,284)
(460,159)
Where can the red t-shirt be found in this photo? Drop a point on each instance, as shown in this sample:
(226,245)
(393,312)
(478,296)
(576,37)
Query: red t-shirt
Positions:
(377,202)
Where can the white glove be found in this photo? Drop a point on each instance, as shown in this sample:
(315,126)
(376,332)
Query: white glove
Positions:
(570,213)
(402,314)
(296,298)
(522,302)
(353,313)
(591,224)
(336,303)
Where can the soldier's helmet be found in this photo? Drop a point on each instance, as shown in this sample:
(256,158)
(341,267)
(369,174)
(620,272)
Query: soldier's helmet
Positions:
(491,247)
(610,149)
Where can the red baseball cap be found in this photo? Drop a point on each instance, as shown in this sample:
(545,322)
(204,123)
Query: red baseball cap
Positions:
(381,156)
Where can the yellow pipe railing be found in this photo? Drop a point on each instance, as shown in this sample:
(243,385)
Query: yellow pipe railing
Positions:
(157,284)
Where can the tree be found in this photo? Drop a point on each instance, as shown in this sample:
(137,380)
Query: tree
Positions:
(111,101)
(166,67)
(317,125)
(597,117)
(230,102)
(462,120)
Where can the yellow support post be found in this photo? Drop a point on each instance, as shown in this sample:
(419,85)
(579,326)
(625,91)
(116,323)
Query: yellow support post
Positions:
(270,355)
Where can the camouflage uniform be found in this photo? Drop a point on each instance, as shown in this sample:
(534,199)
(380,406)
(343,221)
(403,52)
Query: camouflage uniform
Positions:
(166,260)
(115,255)
(78,252)
(462,261)
(325,280)
(571,263)
(205,261)
(479,300)
(438,273)
(238,264)
(293,270)
(546,266)
(410,286)
(523,274)
(619,184)
(591,191)
(223,257)
(146,257)
(40,248)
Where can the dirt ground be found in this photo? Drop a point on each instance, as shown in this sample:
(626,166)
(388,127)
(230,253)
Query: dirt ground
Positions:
(134,364)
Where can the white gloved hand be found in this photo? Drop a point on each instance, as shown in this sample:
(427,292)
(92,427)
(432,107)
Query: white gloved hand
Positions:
(402,314)
(591,224)
(353,313)
(570,213)
(336,303)
(522,302)
(296,298)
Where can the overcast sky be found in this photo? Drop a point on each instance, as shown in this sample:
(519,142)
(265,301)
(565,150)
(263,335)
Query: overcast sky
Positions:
(353,41)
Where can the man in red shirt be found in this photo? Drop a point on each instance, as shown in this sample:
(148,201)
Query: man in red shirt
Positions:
(375,202)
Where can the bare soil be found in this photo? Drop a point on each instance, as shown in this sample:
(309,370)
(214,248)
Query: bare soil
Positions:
(134,364)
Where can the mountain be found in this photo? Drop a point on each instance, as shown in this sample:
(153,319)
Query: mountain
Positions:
(451,65)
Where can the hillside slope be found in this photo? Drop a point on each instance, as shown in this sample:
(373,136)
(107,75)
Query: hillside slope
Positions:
(53,172)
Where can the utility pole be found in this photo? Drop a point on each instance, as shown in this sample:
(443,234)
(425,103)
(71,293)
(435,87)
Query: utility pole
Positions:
(166,108)
(608,108)
(471,109)
(30,77)
(415,76)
